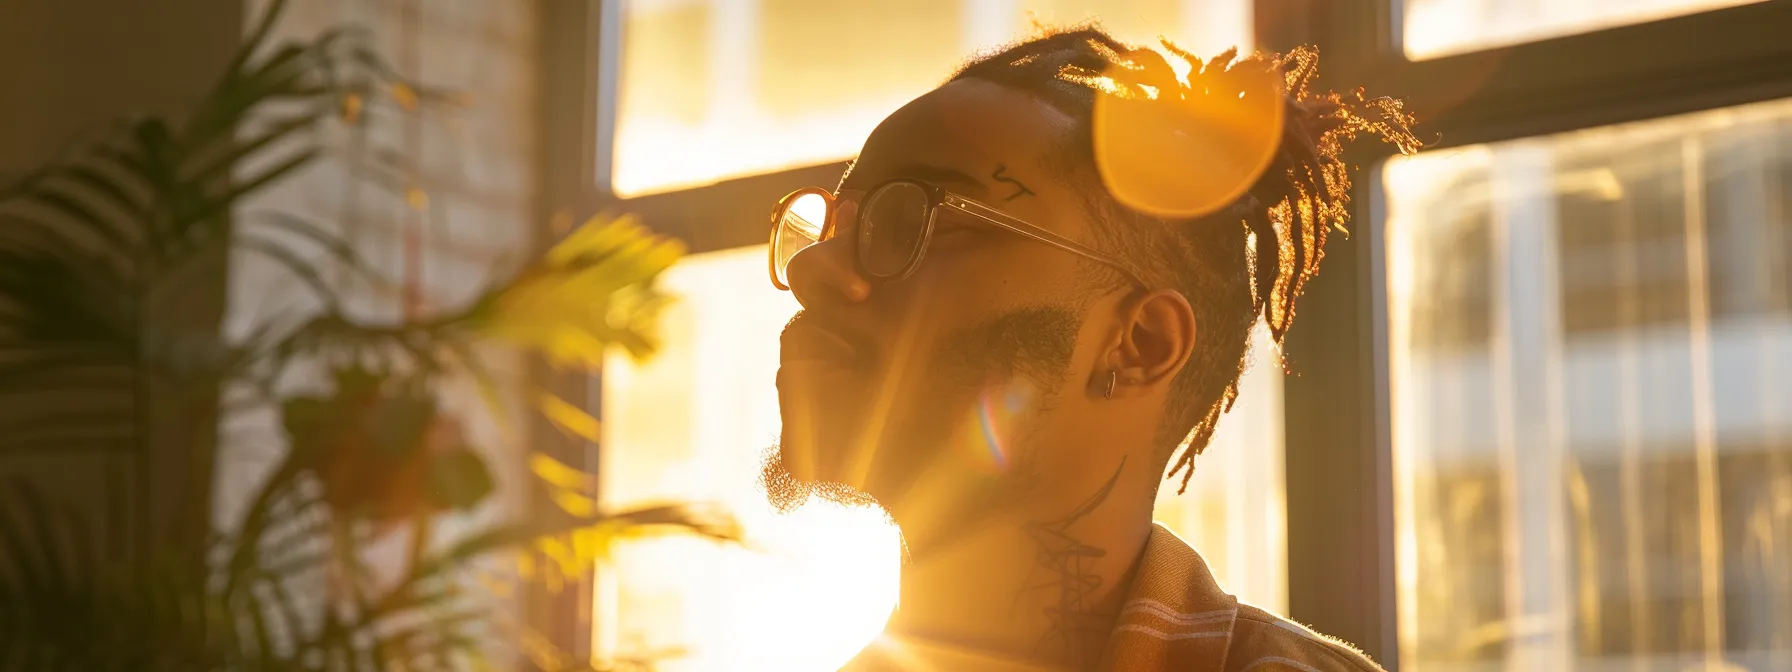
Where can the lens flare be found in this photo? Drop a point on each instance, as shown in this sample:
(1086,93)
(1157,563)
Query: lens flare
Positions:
(992,442)
(990,448)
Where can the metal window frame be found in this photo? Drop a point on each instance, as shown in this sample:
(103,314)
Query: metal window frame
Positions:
(571,134)
(1339,456)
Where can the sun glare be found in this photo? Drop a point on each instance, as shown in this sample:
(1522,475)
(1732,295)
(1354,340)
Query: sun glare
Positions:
(710,90)
(813,586)
(1436,28)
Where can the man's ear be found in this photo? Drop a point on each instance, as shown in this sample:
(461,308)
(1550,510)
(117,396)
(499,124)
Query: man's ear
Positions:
(1158,338)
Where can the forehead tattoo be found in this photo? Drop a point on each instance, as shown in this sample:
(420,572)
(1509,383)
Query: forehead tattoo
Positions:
(1001,176)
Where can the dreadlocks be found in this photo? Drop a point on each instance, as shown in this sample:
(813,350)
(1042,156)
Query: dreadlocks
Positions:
(1248,260)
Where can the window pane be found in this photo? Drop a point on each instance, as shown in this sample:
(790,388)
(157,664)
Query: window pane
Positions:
(1432,28)
(714,89)
(1590,336)
(693,423)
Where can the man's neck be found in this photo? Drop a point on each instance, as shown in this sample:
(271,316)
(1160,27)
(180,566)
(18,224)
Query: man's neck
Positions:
(1039,588)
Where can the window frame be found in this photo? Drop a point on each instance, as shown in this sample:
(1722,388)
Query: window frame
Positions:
(1337,404)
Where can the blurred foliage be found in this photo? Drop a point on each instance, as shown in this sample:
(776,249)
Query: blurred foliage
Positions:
(89,247)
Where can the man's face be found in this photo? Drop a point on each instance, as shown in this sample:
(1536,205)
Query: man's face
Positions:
(933,391)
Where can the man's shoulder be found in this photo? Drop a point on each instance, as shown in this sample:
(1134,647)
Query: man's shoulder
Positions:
(1265,642)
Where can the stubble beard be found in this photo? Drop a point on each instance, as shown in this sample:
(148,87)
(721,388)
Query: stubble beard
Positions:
(1030,345)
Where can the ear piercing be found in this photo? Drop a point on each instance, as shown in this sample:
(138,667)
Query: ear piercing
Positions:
(1113,377)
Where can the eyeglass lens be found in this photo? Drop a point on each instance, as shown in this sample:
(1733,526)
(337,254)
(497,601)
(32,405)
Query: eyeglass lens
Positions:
(892,224)
(800,226)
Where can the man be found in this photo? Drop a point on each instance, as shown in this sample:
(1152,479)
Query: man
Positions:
(1010,328)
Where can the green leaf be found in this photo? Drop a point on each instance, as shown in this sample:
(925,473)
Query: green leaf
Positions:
(305,418)
(400,424)
(90,221)
(459,479)
(355,382)
(569,418)
(264,26)
(467,548)
(229,104)
(56,563)
(239,154)
(155,142)
(294,264)
(485,383)
(220,204)
(287,607)
(372,60)
(337,246)
(436,634)
(53,302)
(29,568)
(25,183)
(109,186)
(149,156)
(126,161)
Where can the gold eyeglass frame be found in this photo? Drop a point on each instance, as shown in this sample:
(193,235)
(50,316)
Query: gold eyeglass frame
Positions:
(937,197)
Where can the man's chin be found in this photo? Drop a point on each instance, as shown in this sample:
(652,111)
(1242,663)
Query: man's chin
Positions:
(788,491)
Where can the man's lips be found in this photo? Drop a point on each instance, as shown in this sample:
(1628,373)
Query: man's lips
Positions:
(805,341)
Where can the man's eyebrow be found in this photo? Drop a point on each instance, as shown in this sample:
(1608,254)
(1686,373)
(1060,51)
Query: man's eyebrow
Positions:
(940,175)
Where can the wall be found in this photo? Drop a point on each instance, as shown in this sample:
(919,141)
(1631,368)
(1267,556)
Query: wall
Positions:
(71,67)
(461,207)
(458,180)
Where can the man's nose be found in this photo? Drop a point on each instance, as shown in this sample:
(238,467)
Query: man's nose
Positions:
(824,273)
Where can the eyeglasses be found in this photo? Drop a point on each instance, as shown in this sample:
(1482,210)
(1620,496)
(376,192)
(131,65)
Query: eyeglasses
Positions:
(895,222)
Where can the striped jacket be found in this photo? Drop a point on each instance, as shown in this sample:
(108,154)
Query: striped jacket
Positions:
(1174,619)
(1177,619)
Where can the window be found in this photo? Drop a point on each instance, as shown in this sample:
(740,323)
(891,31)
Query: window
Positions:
(1432,28)
(714,89)
(1601,478)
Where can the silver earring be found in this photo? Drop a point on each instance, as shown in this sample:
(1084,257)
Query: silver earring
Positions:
(1113,377)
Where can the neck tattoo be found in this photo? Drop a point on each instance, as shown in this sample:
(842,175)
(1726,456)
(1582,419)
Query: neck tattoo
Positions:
(1075,627)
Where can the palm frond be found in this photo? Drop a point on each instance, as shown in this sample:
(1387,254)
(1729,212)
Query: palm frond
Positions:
(591,290)
(90,243)
(91,248)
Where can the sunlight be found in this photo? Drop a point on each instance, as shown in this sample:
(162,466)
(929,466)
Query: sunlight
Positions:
(710,90)
(814,586)
(1437,28)
(655,155)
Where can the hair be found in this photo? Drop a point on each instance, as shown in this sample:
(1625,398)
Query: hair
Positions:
(1247,261)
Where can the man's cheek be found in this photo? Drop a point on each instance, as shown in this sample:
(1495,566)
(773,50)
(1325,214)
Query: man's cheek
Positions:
(987,434)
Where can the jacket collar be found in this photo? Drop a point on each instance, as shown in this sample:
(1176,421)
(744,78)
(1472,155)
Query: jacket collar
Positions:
(1175,616)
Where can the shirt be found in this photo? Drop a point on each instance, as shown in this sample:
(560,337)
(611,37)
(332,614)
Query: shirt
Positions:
(1176,618)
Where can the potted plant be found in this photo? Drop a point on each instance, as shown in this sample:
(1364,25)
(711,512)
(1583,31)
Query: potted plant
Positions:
(92,245)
